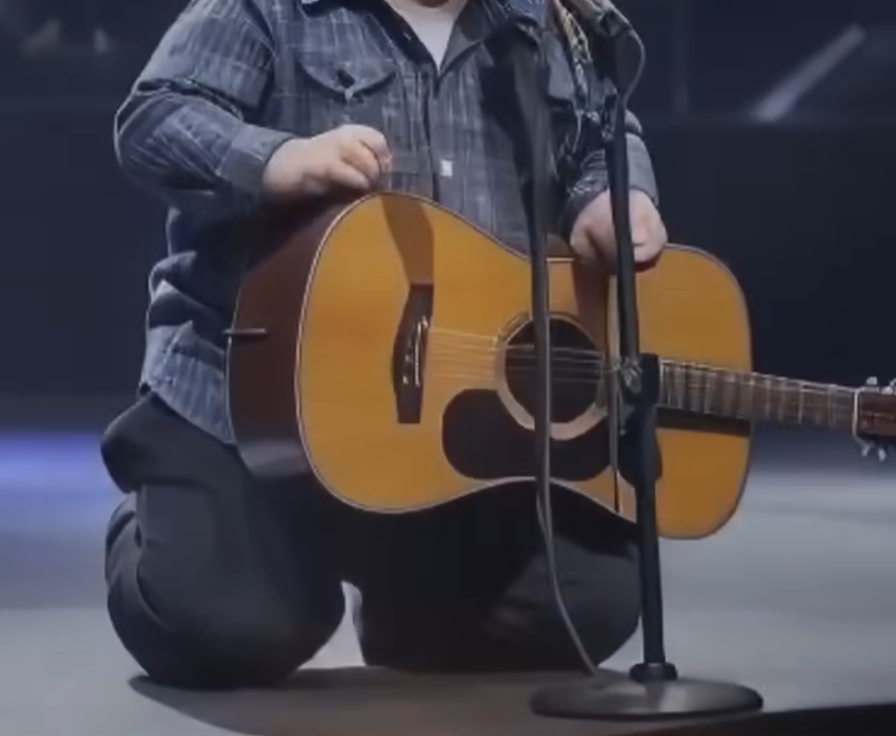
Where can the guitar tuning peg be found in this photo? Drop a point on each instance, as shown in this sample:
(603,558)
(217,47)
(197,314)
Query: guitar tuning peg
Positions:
(866,450)
(881,454)
(872,381)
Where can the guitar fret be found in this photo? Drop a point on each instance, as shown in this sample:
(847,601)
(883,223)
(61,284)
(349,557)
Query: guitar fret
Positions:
(754,397)
(781,393)
(820,409)
(677,380)
(693,384)
(747,409)
(682,387)
(708,390)
(784,401)
(736,393)
(667,385)
(679,386)
(728,404)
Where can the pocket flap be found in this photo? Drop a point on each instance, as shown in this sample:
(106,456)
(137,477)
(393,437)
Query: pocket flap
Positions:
(345,78)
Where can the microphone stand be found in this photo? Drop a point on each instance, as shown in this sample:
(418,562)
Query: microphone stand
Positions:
(653,689)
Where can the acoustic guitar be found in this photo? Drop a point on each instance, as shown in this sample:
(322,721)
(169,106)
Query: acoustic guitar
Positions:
(387,345)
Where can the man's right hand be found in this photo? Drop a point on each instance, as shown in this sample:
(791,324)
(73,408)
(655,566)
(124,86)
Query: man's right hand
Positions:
(348,158)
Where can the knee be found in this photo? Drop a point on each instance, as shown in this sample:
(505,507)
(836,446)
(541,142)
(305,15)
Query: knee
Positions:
(605,615)
(602,599)
(203,641)
(605,626)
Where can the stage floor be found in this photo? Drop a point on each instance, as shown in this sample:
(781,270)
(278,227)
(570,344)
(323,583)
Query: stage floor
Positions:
(796,597)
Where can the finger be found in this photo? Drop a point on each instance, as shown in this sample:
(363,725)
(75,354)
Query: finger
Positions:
(374,140)
(646,253)
(649,251)
(584,249)
(362,158)
(640,234)
(343,174)
(643,226)
(643,217)
(376,143)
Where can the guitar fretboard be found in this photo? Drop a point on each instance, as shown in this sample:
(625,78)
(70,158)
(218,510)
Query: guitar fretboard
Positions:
(755,397)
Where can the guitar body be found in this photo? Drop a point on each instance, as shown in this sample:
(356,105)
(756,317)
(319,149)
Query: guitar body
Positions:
(380,346)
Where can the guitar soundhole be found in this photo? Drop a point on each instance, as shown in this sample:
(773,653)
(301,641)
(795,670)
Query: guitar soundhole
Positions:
(575,369)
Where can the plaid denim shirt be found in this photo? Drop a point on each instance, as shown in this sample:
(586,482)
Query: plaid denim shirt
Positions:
(232,80)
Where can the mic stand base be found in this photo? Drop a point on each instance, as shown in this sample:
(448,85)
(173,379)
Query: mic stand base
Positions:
(645,695)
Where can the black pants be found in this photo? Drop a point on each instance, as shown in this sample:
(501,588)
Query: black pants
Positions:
(215,581)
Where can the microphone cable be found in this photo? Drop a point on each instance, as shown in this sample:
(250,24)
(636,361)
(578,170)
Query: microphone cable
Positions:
(542,168)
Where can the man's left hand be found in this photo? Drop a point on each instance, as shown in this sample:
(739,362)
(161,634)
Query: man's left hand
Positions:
(593,236)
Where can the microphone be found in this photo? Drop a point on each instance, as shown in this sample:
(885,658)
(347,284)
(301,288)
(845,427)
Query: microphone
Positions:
(617,48)
(604,18)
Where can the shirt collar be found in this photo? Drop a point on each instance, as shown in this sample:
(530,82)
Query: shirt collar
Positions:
(527,11)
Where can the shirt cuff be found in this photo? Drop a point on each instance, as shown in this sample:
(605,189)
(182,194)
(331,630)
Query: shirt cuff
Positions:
(244,163)
(595,182)
(641,173)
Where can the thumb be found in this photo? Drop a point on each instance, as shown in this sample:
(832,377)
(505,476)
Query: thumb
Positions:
(640,234)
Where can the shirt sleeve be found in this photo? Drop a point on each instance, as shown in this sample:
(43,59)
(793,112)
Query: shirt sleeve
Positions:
(185,131)
(584,164)
(592,177)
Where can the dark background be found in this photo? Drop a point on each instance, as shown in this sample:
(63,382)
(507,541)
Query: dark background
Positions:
(800,209)
(796,596)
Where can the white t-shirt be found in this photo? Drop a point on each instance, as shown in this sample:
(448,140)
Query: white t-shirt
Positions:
(433,25)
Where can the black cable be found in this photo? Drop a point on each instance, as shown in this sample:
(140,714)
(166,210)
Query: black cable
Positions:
(542,141)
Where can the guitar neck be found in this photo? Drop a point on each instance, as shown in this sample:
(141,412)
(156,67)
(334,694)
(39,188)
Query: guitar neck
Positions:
(755,397)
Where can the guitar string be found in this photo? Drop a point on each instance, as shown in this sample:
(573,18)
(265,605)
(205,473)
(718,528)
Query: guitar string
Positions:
(453,365)
(584,368)
(493,377)
(831,393)
(836,406)
(595,360)
(581,368)
(492,380)
(593,355)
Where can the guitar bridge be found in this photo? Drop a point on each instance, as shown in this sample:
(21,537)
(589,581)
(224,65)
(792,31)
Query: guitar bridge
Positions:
(409,354)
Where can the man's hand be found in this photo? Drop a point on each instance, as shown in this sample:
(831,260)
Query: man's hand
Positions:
(348,158)
(593,236)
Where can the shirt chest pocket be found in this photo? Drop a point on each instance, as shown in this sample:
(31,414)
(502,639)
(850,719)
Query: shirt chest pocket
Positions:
(335,91)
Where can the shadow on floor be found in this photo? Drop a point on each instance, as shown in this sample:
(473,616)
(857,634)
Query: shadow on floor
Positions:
(370,702)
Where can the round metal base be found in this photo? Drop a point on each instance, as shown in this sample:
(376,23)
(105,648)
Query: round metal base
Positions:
(631,700)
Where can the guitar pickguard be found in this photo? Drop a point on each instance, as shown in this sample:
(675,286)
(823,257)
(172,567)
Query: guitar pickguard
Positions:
(482,441)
